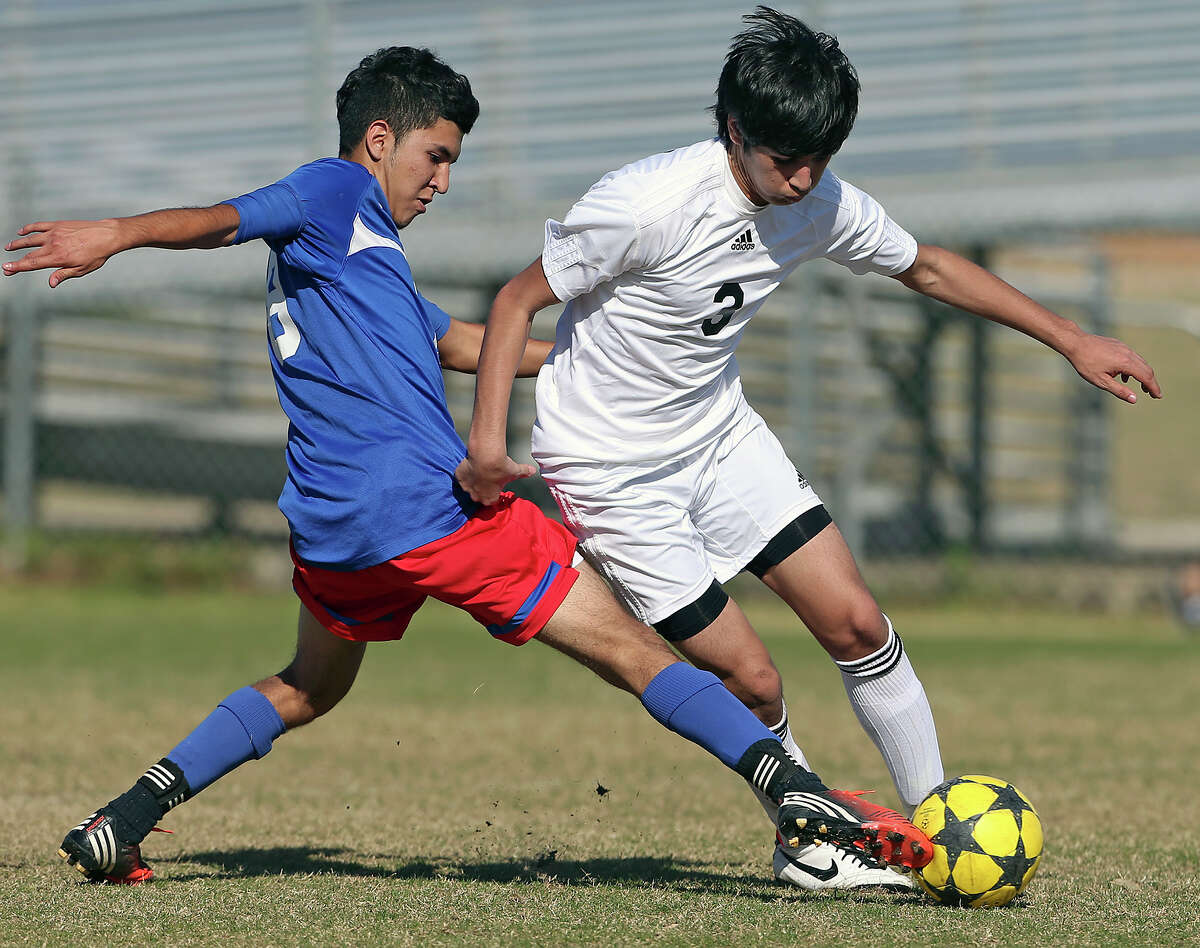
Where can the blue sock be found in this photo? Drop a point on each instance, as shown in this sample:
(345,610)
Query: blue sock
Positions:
(241,727)
(694,704)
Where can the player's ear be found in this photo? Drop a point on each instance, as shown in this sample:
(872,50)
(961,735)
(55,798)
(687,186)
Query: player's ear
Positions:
(378,140)
(735,132)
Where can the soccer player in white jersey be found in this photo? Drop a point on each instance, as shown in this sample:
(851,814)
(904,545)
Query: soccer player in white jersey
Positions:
(671,482)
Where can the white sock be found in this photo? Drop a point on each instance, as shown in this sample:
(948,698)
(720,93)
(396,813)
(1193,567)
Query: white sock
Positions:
(891,705)
(784,733)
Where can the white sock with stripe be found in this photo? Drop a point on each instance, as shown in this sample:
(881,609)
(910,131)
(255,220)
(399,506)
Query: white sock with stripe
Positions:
(891,705)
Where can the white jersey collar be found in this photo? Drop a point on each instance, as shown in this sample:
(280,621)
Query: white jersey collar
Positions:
(736,195)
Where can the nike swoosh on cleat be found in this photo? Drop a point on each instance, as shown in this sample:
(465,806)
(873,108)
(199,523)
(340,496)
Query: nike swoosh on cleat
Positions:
(823,874)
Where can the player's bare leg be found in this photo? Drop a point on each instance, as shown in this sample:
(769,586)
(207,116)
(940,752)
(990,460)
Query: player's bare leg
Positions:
(105,847)
(591,627)
(731,649)
(317,678)
(822,584)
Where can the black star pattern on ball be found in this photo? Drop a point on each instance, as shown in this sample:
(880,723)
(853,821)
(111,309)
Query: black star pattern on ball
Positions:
(957,837)
(1015,866)
(1007,798)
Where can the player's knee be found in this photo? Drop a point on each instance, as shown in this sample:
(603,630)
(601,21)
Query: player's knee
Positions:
(857,631)
(759,688)
(307,700)
(319,702)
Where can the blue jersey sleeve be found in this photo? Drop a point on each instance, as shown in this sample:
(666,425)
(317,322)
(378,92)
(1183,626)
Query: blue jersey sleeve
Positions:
(272,213)
(439,319)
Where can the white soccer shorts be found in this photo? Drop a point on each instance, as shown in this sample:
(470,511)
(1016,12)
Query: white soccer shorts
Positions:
(660,532)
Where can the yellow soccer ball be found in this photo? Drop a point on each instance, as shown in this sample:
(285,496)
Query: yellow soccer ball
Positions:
(987,841)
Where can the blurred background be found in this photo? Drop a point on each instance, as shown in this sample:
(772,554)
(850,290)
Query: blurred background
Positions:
(1056,142)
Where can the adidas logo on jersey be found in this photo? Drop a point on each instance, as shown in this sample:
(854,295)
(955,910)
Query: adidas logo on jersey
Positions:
(744,242)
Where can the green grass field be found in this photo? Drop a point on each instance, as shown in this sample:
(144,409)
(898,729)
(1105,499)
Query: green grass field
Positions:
(453,798)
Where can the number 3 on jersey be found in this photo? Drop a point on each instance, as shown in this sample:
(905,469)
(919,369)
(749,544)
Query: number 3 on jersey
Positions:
(727,291)
(284,343)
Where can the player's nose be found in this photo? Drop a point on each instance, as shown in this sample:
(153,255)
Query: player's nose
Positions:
(802,179)
(441,179)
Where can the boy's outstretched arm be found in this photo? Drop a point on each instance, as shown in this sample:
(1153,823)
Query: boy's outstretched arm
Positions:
(75,248)
(459,350)
(487,467)
(942,275)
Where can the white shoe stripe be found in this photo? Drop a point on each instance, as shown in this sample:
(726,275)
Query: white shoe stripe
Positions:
(97,854)
(102,847)
(111,839)
(820,804)
(834,812)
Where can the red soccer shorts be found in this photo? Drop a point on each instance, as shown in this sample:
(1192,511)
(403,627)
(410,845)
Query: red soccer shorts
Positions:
(508,566)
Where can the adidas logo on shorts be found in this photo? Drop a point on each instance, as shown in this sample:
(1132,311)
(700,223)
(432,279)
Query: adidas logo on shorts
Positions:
(744,242)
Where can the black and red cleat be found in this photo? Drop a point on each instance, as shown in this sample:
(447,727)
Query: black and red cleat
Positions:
(840,816)
(890,837)
(100,855)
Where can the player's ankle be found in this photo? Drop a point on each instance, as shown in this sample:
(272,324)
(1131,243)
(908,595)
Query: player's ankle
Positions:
(768,767)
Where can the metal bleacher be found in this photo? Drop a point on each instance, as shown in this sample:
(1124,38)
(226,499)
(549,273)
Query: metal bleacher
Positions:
(1039,113)
(981,121)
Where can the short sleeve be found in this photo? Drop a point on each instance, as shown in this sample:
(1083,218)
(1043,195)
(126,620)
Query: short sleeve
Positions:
(272,213)
(595,242)
(865,239)
(439,319)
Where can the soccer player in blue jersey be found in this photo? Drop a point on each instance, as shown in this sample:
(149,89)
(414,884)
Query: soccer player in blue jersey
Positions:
(378,522)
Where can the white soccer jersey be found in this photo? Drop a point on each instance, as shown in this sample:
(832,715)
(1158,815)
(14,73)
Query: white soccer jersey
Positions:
(663,263)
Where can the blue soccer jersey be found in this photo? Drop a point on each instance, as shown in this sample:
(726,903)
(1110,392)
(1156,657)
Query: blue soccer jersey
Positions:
(371,448)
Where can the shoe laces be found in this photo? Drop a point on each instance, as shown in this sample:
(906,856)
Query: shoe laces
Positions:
(858,856)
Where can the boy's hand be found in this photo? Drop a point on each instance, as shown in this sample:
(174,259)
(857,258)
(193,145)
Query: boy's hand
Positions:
(484,480)
(1100,360)
(73,247)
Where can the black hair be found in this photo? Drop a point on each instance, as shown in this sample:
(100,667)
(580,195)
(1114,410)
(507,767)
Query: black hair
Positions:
(790,88)
(406,87)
